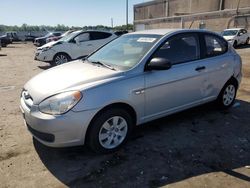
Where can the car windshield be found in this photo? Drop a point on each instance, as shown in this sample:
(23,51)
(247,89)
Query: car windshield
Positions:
(126,51)
(69,36)
(229,33)
(49,34)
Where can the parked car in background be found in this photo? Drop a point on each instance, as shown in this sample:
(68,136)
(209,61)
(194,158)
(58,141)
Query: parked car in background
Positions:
(55,38)
(236,36)
(42,40)
(136,78)
(119,33)
(13,35)
(30,37)
(5,40)
(73,46)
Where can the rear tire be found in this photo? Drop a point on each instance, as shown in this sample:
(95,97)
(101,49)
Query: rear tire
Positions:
(235,44)
(247,41)
(227,95)
(109,131)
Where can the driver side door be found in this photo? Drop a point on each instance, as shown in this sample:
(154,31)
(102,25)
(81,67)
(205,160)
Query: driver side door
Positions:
(80,46)
(178,88)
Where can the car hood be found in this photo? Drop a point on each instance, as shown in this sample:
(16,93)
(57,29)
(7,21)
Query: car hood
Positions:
(228,37)
(71,76)
(40,38)
(3,36)
(49,44)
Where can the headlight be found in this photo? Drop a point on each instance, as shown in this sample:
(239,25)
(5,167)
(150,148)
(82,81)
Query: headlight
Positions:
(60,103)
(46,48)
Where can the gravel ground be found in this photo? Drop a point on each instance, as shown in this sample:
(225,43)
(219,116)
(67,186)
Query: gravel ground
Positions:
(201,147)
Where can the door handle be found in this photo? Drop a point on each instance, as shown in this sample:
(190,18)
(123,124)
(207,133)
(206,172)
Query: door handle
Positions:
(200,68)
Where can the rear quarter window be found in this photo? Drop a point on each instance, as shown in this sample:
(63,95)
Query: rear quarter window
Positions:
(99,35)
(214,45)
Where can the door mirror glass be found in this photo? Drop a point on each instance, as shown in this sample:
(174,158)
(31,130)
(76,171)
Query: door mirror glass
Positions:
(159,64)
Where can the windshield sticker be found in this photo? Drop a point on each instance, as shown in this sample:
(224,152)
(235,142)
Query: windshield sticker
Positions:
(144,39)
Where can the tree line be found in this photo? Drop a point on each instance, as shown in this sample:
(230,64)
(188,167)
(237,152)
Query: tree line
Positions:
(59,27)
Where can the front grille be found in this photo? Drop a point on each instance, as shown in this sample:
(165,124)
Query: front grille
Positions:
(43,136)
(28,100)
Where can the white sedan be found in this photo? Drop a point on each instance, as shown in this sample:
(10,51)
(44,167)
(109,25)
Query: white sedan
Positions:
(236,36)
(73,46)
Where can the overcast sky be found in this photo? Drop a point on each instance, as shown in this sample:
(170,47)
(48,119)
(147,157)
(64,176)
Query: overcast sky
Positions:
(67,12)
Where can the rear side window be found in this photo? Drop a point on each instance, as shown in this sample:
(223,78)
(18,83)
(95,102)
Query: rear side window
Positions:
(215,46)
(99,35)
(180,49)
(57,34)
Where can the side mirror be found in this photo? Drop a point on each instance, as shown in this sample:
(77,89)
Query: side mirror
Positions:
(77,40)
(159,64)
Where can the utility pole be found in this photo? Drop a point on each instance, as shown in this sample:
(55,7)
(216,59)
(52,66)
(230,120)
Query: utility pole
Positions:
(237,8)
(127,14)
(112,22)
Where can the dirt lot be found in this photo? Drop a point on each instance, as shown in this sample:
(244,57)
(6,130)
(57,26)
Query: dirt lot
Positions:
(201,147)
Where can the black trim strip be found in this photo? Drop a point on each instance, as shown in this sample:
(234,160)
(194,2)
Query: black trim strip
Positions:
(43,136)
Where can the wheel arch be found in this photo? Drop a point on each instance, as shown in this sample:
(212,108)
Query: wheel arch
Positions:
(234,80)
(65,53)
(121,105)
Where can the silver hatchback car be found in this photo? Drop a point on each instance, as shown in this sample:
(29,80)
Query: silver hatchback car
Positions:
(134,79)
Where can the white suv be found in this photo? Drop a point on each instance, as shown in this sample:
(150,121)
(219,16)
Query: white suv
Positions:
(73,46)
(236,36)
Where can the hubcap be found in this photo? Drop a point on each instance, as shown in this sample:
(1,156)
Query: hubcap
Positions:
(60,59)
(113,132)
(229,95)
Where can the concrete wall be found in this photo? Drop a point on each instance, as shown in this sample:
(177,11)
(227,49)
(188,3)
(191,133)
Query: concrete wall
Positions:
(150,10)
(177,7)
(232,4)
(215,15)
(169,8)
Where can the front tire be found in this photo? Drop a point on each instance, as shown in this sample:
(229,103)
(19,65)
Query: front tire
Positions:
(247,41)
(60,58)
(109,130)
(227,95)
(235,44)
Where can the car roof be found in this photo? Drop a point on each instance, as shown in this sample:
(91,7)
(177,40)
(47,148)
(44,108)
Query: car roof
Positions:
(155,31)
(233,29)
(168,31)
(79,31)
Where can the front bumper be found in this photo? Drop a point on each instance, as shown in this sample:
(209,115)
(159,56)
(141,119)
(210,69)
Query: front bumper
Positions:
(46,56)
(231,41)
(57,131)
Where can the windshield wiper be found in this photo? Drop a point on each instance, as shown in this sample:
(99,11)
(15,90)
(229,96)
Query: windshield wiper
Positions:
(102,64)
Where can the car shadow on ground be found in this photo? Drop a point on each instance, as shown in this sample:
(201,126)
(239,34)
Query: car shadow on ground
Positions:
(45,67)
(1,55)
(191,143)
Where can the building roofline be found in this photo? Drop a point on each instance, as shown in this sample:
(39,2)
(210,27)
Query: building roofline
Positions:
(152,2)
(221,12)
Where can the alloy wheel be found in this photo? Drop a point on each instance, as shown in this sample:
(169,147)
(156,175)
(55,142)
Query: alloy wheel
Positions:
(228,95)
(61,59)
(113,132)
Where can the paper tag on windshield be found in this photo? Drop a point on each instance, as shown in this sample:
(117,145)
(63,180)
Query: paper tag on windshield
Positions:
(144,39)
